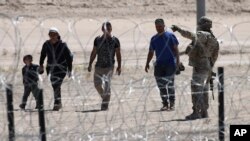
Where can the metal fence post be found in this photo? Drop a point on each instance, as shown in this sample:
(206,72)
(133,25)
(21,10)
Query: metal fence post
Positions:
(221,104)
(41,116)
(10,113)
(201,9)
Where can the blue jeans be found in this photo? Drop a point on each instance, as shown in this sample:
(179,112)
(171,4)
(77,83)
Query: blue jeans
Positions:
(164,76)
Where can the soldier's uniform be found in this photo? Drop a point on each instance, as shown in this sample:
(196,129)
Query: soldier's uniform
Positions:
(202,55)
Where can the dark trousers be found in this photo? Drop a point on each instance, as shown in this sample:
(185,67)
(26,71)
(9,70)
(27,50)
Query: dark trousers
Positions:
(164,77)
(102,82)
(56,81)
(30,88)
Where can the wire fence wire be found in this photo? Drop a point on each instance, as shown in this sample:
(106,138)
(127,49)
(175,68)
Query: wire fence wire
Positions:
(135,101)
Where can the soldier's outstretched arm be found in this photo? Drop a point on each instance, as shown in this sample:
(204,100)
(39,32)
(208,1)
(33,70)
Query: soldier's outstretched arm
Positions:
(187,34)
(184,33)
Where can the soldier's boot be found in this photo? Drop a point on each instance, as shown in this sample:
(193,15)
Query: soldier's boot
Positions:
(164,107)
(204,114)
(193,116)
(172,106)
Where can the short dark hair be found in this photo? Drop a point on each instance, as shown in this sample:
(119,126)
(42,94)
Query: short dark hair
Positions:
(159,21)
(107,24)
(27,57)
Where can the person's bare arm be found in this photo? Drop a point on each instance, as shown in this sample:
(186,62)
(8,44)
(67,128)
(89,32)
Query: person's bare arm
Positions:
(149,58)
(119,59)
(92,58)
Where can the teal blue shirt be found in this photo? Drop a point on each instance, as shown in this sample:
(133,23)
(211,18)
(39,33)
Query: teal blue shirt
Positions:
(163,45)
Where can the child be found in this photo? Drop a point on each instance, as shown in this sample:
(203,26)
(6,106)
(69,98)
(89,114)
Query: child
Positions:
(30,78)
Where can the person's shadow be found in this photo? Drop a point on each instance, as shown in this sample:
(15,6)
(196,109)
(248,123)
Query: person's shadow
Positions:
(176,120)
(171,119)
(90,111)
(155,111)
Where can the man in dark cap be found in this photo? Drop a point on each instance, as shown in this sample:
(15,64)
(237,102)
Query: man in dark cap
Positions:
(59,63)
(165,45)
(203,53)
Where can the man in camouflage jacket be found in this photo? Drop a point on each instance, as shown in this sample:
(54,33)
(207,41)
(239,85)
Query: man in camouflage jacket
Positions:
(203,53)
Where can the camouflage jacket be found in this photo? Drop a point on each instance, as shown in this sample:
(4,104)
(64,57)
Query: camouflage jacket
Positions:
(205,48)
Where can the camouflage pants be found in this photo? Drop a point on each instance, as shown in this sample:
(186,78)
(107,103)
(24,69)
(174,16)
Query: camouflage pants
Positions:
(102,82)
(199,89)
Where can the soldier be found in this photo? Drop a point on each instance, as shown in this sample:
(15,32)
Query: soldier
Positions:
(165,46)
(203,52)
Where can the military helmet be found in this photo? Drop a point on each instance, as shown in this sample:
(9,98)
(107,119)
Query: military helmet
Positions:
(205,23)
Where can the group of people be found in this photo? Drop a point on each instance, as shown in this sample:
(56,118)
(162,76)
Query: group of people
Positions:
(59,64)
(202,52)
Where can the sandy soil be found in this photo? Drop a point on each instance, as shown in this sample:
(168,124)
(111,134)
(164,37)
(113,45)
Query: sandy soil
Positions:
(116,8)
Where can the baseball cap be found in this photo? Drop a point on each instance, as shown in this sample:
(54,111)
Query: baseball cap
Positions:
(53,29)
